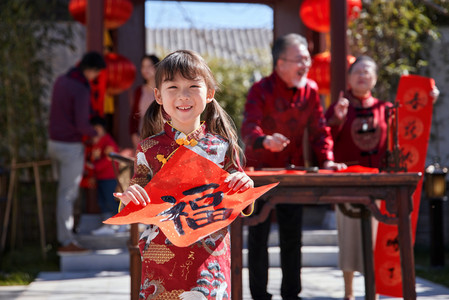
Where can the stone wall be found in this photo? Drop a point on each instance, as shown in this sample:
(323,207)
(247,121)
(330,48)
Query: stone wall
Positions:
(423,233)
(439,70)
(439,140)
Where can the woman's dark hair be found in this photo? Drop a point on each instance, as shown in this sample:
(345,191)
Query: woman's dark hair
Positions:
(92,60)
(154,59)
(191,65)
(97,120)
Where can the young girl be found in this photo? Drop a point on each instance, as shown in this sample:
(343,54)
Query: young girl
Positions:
(185,88)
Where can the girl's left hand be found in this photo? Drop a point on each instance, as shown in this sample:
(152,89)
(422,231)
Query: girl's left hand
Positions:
(239,181)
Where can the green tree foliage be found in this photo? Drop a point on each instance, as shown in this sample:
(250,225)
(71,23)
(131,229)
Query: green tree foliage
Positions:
(394,33)
(438,10)
(27,32)
(235,80)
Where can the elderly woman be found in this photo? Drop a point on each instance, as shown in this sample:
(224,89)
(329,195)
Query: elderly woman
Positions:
(358,124)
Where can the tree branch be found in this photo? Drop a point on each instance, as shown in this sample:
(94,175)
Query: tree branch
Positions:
(439,9)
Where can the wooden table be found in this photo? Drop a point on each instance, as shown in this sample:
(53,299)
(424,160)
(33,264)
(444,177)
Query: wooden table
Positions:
(395,189)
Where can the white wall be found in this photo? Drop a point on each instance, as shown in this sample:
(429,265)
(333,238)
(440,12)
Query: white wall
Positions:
(62,58)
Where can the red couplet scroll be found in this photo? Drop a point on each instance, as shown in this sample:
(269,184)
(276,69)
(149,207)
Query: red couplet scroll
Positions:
(414,122)
(189,199)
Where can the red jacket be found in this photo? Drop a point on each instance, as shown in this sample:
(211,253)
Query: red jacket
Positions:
(70,108)
(273,107)
(103,167)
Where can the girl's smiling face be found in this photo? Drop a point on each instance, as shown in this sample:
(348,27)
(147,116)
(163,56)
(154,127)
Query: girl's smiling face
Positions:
(184,100)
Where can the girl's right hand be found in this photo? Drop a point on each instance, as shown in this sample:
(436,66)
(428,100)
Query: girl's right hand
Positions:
(239,181)
(134,193)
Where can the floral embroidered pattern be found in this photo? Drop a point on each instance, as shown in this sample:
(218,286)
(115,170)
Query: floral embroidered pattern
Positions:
(153,287)
(210,243)
(212,282)
(148,143)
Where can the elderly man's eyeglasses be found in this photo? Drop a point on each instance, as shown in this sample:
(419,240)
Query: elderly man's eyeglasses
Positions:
(303,61)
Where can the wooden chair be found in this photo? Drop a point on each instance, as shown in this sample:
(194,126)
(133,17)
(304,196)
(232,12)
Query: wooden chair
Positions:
(133,248)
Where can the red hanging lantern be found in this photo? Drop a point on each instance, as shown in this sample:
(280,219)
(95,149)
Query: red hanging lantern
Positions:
(320,71)
(315,14)
(121,73)
(116,12)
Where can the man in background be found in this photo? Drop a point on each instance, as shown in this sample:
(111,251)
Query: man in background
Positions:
(68,124)
(278,111)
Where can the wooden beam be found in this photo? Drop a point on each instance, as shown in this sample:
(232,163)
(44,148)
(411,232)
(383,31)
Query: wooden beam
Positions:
(286,18)
(94,25)
(130,42)
(339,47)
(267,2)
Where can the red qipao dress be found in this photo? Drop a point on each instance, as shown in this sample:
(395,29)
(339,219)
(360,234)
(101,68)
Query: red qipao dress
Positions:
(201,270)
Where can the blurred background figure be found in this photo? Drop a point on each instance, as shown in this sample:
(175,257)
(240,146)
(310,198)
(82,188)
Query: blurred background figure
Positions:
(358,124)
(68,123)
(103,170)
(278,110)
(143,97)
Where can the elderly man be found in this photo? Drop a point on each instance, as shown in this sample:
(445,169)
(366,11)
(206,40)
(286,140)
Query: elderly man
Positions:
(278,110)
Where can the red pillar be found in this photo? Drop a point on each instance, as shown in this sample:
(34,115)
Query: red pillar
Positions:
(338,47)
(286,18)
(130,42)
(94,25)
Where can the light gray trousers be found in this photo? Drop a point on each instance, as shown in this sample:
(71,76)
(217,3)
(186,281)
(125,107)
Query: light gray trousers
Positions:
(68,158)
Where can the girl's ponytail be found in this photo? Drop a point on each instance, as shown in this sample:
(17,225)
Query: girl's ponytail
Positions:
(219,122)
(153,120)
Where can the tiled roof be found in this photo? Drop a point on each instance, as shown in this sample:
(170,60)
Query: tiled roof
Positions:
(253,45)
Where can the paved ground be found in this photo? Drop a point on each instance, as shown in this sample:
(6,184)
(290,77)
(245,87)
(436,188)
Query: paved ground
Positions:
(319,283)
